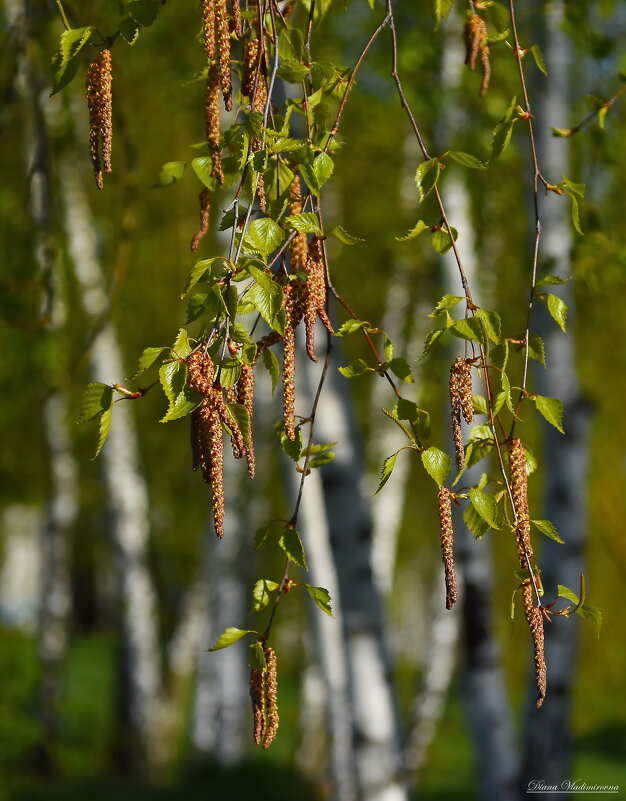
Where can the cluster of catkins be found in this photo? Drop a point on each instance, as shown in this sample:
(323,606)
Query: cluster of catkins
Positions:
(476,44)
(303,300)
(264,696)
(99,102)
(462,404)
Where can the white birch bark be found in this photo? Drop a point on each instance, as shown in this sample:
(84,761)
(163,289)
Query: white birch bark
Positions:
(127,494)
(547,736)
(374,721)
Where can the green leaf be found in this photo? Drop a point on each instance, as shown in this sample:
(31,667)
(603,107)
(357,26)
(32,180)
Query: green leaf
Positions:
(269,303)
(486,507)
(148,358)
(356,368)
(442,9)
(230,636)
(173,377)
(65,64)
(466,159)
(170,172)
(350,326)
(558,310)
(292,447)
(565,592)
(322,459)
(470,329)
(552,410)
(103,429)
(431,340)
(342,235)
(446,302)
(573,187)
(475,523)
(407,410)
(272,366)
(188,400)
(437,464)
(592,614)
(492,323)
(143,12)
(441,241)
(541,64)
(305,223)
(256,660)
(536,349)
(203,166)
(96,399)
(291,544)
(261,593)
(426,177)
(206,270)
(292,71)
(547,528)
(271,531)
(419,227)
(181,346)
(264,235)
(480,404)
(240,415)
(552,280)
(129,30)
(400,368)
(387,470)
(602,116)
(321,596)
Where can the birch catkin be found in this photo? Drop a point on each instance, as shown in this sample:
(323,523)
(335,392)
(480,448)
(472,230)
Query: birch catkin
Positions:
(293,315)
(271,696)
(461,402)
(475,43)
(245,396)
(205,211)
(212,121)
(315,295)
(257,695)
(534,616)
(223,50)
(447,544)
(208,27)
(100,104)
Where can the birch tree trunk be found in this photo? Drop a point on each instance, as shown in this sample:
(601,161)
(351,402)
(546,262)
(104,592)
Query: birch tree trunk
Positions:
(127,497)
(328,646)
(375,733)
(547,736)
(482,681)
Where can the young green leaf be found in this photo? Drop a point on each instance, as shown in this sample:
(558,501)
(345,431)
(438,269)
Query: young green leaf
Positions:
(387,470)
(536,349)
(261,593)
(547,528)
(400,368)
(446,302)
(188,400)
(170,172)
(485,506)
(417,229)
(350,326)
(492,324)
(230,636)
(256,660)
(291,544)
(441,241)
(65,63)
(466,159)
(96,399)
(558,310)
(104,425)
(426,177)
(272,366)
(305,223)
(552,410)
(537,55)
(240,415)
(343,236)
(591,614)
(437,464)
(264,235)
(321,596)
(552,280)
(292,447)
(271,532)
(203,167)
(356,368)
(480,404)
(148,357)
(475,522)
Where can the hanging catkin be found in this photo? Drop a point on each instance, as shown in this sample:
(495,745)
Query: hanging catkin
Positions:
(534,617)
(212,121)
(271,696)
(447,544)
(475,43)
(315,295)
(223,50)
(99,102)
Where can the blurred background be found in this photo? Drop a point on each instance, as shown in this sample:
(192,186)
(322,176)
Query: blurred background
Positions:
(112,586)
